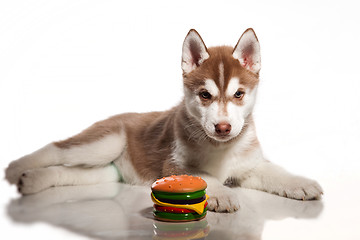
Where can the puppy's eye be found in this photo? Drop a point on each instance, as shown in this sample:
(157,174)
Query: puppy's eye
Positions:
(205,95)
(239,94)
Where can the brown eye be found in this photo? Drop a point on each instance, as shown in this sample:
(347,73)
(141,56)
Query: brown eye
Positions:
(239,94)
(205,95)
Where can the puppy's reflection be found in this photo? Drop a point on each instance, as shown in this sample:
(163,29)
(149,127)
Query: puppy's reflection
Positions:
(122,211)
(256,208)
(106,211)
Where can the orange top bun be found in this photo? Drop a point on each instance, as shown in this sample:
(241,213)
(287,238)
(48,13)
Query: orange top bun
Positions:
(179,184)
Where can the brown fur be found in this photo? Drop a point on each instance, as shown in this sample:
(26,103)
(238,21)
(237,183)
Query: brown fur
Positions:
(149,138)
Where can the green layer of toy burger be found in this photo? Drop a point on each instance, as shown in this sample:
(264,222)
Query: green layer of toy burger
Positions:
(179,198)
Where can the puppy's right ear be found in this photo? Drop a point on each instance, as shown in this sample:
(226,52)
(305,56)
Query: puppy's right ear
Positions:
(194,52)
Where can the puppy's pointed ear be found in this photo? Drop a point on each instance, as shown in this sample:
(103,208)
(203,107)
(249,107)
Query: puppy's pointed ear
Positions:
(247,51)
(194,52)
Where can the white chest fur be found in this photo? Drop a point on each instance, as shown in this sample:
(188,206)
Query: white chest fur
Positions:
(221,161)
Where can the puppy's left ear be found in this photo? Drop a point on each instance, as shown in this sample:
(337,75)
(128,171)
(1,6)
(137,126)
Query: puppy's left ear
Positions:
(194,51)
(247,51)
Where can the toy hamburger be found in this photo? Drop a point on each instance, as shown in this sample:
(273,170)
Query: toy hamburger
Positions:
(179,198)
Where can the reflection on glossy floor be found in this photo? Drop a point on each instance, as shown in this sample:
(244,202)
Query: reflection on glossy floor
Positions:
(121,211)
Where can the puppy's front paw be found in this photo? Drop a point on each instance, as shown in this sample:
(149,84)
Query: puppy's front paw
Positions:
(33,181)
(223,200)
(302,189)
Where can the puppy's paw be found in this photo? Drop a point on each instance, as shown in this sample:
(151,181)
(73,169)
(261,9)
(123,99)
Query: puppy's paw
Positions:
(14,171)
(33,181)
(223,200)
(301,188)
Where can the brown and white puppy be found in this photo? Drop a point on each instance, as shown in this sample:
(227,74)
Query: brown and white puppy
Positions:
(211,133)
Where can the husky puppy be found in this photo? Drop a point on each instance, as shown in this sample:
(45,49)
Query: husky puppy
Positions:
(211,134)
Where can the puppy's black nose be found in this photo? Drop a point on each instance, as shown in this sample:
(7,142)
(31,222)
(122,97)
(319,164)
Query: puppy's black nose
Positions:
(223,128)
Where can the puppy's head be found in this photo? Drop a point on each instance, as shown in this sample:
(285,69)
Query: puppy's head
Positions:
(220,83)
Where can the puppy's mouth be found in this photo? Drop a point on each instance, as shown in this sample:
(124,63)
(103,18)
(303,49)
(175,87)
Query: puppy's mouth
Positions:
(217,137)
(222,138)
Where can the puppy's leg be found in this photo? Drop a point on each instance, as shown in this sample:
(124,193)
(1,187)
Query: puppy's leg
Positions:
(221,198)
(271,178)
(36,180)
(96,146)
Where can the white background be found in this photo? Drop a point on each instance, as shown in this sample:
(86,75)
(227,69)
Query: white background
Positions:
(67,64)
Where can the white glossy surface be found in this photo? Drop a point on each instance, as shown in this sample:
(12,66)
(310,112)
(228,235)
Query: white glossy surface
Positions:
(121,211)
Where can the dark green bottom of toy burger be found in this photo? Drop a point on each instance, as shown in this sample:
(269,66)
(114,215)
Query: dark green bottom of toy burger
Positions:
(179,217)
